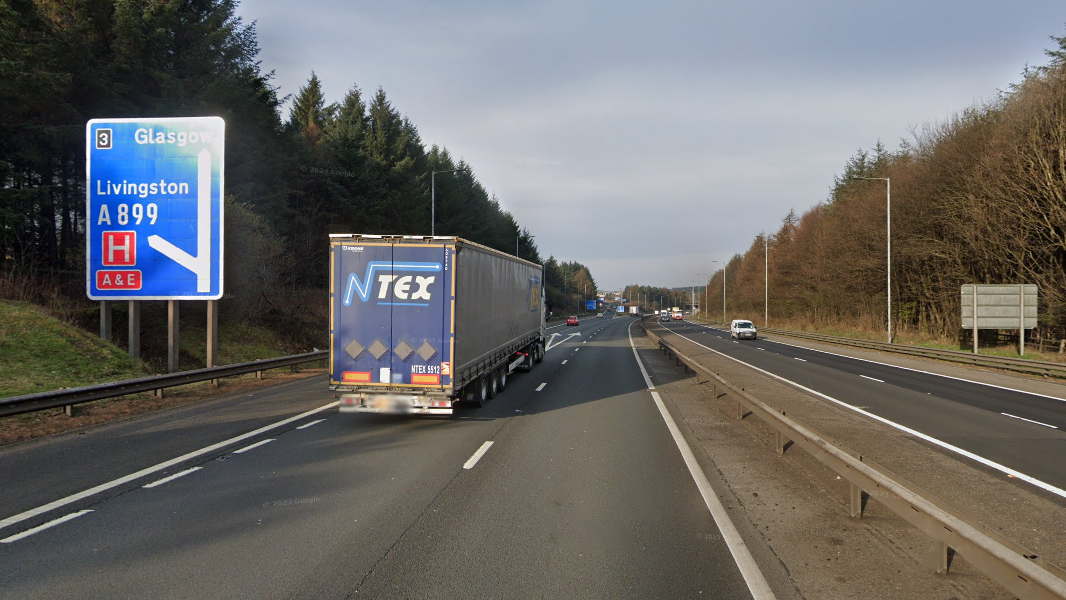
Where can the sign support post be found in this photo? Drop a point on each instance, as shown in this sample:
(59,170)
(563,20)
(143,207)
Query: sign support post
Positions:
(1021,320)
(173,344)
(975,318)
(135,328)
(212,336)
(105,320)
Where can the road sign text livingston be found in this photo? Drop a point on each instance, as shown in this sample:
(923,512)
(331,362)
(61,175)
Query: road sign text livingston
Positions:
(141,190)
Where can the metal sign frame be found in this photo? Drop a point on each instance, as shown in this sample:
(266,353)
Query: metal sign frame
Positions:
(999,306)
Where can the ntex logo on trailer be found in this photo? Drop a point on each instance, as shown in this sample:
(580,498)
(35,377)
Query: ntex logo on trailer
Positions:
(401,285)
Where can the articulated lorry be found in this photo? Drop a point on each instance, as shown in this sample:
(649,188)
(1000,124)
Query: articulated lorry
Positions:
(418,323)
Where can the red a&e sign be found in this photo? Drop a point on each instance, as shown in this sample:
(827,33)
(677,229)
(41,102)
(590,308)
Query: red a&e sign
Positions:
(118,280)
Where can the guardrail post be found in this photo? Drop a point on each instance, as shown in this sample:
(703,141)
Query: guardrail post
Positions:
(740,410)
(159,393)
(855,510)
(68,410)
(258,374)
(781,442)
(940,556)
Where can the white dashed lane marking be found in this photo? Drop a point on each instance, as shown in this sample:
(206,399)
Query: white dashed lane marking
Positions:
(253,446)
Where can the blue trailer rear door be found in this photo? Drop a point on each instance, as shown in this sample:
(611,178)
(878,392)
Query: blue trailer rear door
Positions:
(392,314)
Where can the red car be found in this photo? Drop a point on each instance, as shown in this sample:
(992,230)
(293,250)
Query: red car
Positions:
(571,320)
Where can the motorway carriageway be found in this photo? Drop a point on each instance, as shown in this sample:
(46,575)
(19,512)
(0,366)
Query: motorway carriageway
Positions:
(1016,432)
(573,482)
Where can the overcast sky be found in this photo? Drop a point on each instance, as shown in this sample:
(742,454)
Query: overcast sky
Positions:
(648,139)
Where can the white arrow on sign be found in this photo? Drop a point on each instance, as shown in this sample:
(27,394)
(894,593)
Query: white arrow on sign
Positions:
(201,263)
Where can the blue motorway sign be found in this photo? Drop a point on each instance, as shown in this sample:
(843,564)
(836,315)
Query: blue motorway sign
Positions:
(153,215)
(590,305)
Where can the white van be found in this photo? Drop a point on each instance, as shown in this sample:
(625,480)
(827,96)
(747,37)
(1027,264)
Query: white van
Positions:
(740,329)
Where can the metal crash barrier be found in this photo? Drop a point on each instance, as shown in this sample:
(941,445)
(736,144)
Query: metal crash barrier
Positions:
(1021,572)
(69,397)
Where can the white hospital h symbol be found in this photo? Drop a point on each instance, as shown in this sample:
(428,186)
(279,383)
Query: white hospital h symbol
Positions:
(112,246)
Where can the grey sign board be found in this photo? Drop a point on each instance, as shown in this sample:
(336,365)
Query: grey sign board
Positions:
(999,306)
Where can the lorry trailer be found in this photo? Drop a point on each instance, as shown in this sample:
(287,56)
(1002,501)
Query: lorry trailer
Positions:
(419,323)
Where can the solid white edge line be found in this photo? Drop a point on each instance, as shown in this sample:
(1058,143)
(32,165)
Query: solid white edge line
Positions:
(932,440)
(33,512)
(874,362)
(749,570)
(872,379)
(1027,420)
(48,525)
(159,482)
(306,425)
(469,464)
(541,386)
(253,446)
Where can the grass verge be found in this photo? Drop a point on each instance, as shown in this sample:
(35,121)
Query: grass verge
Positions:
(41,353)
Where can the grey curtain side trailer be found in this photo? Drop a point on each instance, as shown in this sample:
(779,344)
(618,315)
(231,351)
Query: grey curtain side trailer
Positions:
(417,323)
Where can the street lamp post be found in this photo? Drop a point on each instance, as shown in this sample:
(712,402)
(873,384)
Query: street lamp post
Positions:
(433,197)
(766,282)
(724,265)
(888,236)
(694,312)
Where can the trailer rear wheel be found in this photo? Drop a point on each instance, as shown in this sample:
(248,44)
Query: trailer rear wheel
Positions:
(479,393)
(494,383)
(538,353)
(503,378)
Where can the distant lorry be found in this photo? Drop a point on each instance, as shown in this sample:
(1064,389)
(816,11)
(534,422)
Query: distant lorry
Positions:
(634,310)
(418,323)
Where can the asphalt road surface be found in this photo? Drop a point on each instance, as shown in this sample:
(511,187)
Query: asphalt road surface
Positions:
(583,493)
(1015,429)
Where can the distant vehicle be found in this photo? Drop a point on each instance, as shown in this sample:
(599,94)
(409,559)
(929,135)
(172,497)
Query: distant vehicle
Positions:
(664,316)
(677,314)
(633,310)
(571,320)
(742,330)
(600,315)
